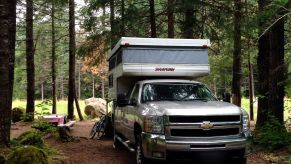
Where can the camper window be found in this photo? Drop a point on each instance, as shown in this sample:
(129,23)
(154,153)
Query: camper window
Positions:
(112,62)
(110,80)
(119,58)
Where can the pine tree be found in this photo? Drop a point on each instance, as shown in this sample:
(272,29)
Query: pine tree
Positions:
(7,54)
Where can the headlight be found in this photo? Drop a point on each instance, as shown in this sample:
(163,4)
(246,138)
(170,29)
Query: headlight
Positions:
(246,124)
(154,124)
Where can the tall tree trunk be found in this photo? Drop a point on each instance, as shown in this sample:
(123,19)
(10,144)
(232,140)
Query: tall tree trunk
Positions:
(62,87)
(103,16)
(251,89)
(79,80)
(277,71)
(112,23)
(30,58)
(93,87)
(236,72)
(273,72)
(54,107)
(42,94)
(170,13)
(153,19)
(251,76)
(78,107)
(72,49)
(263,70)
(7,54)
(189,19)
(203,23)
(103,88)
(122,29)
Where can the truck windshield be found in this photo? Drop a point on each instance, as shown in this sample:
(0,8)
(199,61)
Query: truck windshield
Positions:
(176,92)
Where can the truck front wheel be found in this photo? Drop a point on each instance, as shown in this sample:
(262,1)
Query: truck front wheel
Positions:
(140,159)
(238,157)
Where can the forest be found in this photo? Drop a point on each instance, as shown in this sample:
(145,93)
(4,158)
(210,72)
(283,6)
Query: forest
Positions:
(56,51)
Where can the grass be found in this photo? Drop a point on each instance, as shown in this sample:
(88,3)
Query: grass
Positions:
(62,106)
(245,104)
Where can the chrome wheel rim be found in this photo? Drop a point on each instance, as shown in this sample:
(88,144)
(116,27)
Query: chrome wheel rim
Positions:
(138,155)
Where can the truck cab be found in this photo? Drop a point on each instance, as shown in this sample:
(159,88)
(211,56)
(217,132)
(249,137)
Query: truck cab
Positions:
(160,113)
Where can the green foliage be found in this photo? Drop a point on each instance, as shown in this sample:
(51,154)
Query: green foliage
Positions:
(272,135)
(288,87)
(271,13)
(45,106)
(2,159)
(44,127)
(27,117)
(29,138)
(17,114)
(28,155)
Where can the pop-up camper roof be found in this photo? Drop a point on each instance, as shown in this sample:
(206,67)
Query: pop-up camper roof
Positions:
(159,57)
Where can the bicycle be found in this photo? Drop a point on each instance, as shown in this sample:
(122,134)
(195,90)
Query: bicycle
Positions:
(99,127)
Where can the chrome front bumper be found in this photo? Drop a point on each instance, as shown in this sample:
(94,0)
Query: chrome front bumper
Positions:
(156,146)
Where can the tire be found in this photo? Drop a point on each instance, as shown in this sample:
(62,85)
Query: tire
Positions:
(139,156)
(100,132)
(93,131)
(109,129)
(116,143)
(244,161)
(239,161)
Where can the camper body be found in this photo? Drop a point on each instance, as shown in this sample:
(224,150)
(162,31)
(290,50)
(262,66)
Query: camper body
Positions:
(159,112)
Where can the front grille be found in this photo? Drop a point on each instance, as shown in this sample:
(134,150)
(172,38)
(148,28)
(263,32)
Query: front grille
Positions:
(199,119)
(207,146)
(204,133)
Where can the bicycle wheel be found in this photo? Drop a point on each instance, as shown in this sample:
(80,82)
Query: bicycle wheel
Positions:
(93,130)
(100,132)
(102,126)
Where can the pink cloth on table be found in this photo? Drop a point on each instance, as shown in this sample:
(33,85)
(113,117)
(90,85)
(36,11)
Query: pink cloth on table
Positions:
(54,118)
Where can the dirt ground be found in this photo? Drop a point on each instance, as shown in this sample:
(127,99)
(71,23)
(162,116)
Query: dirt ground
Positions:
(82,150)
(92,151)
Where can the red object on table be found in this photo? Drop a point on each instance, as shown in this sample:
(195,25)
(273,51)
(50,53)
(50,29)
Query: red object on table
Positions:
(55,118)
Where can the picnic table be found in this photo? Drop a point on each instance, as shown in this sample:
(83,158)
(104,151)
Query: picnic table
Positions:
(55,118)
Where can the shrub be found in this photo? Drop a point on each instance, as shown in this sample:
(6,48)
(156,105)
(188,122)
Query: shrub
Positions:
(29,138)
(17,113)
(28,154)
(27,117)
(272,135)
(45,107)
(44,127)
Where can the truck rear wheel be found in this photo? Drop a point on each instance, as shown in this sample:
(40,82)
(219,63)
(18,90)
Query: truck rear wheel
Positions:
(116,143)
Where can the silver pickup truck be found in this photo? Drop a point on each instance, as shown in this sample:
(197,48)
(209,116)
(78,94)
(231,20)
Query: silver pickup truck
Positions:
(162,119)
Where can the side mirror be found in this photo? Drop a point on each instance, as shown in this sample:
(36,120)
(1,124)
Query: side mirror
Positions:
(226,97)
(133,102)
(121,100)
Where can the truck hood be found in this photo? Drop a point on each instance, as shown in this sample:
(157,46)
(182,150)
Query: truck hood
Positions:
(191,108)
